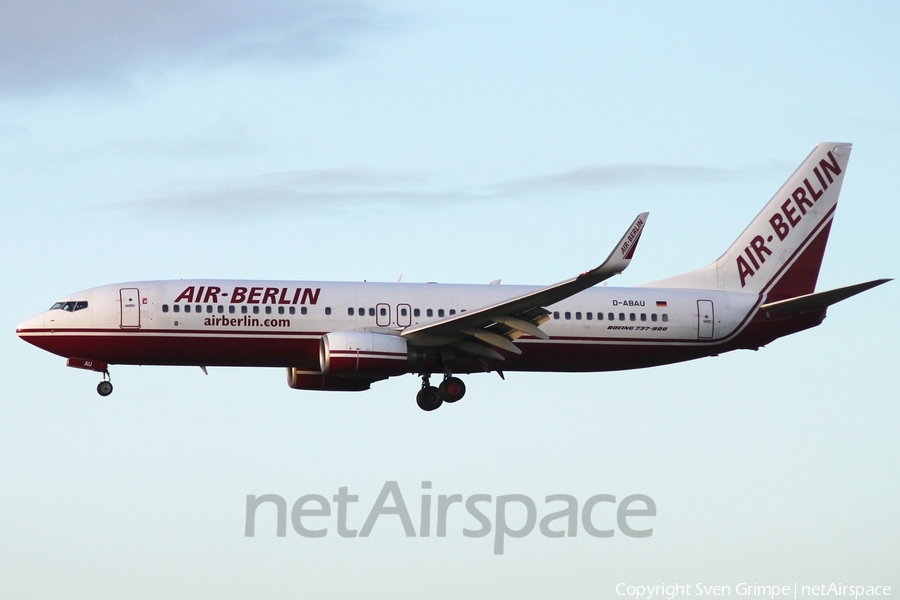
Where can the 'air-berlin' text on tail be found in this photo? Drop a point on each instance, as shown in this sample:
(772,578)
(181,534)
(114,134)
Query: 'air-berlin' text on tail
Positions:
(780,252)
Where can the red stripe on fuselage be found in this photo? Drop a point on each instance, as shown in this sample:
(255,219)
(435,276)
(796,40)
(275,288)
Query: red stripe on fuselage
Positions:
(262,349)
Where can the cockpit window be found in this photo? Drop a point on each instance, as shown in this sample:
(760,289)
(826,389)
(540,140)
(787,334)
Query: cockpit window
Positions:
(70,306)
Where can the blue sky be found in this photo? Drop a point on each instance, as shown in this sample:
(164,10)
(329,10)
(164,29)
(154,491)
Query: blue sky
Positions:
(453,142)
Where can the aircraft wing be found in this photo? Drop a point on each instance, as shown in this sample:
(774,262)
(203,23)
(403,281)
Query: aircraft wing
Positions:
(477,331)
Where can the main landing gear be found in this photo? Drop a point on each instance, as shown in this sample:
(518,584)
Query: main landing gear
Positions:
(430,397)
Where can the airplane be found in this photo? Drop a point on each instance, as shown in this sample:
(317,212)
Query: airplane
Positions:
(345,336)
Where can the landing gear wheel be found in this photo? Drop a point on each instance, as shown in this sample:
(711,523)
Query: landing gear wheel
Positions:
(104,388)
(429,398)
(452,389)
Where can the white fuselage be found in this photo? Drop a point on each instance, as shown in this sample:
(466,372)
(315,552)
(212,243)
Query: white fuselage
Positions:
(280,323)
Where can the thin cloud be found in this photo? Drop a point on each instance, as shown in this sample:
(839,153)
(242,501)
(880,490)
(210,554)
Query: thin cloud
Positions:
(226,138)
(281,192)
(337,189)
(624,174)
(45,44)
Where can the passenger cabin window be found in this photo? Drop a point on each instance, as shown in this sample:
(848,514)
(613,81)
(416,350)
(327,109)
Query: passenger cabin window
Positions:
(327,310)
(643,316)
(588,316)
(452,311)
(255,310)
(611,316)
(382,311)
(165,308)
(440,312)
(187,308)
(220,309)
(292,310)
(198,308)
(632,317)
(653,317)
(244,310)
(665,318)
(209,308)
(362,312)
(568,315)
(176,308)
(555,314)
(403,312)
(578,316)
(280,310)
(303,310)
(350,311)
(429,313)
(268,310)
(416,312)
(621,316)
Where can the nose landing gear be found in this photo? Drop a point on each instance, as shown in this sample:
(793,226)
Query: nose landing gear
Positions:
(430,397)
(105,387)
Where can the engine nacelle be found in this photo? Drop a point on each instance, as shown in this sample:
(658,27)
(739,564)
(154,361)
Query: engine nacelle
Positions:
(367,353)
(304,380)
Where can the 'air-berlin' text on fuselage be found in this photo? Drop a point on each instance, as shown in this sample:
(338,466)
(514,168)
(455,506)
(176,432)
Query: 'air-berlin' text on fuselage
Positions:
(792,211)
(252,295)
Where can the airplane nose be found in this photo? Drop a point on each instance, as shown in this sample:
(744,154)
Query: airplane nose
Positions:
(29,325)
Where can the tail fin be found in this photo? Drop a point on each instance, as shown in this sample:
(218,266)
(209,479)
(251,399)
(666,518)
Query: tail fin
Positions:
(780,252)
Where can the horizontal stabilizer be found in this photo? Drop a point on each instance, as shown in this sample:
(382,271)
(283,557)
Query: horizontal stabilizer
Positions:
(818,301)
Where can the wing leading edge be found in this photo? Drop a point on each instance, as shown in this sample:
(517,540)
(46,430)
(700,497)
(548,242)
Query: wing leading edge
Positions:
(478,331)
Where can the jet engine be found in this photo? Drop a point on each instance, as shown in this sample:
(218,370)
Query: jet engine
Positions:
(299,379)
(368,354)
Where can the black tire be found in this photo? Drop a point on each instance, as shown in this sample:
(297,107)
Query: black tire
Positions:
(429,398)
(104,388)
(452,389)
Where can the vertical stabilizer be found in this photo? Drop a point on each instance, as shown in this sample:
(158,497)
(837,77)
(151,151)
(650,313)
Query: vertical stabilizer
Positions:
(780,252)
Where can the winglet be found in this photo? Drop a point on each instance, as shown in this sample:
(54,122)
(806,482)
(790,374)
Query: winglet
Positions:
(628,243)
(619,259)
